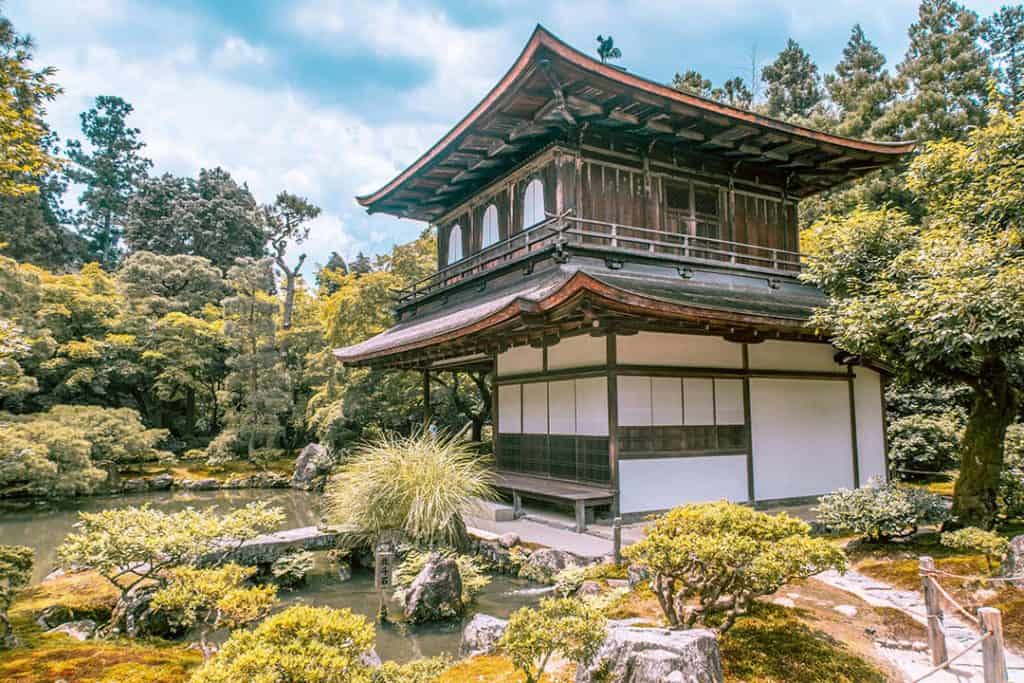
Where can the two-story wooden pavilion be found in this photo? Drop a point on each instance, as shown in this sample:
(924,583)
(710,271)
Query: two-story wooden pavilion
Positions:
(625,256)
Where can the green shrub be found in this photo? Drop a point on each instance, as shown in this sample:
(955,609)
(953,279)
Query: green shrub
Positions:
(880,512)
(417,671)
(972,539)
(1011,479)
(708,562)
(15,572)
(569,580)
(923,443)
(471,571)
(308,644)
(290,569)
(559,625)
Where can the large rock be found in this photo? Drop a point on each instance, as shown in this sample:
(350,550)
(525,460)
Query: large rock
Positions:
(654,655)
(436,592)
(208,484)
(161,482)
(134,617)
(136,485)
(54,615)
(79,630)
(481,635)
(544,564)
(312,467)
(1013,564)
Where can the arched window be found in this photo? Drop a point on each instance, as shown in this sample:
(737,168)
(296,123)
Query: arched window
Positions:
(454,244)
(533,203)
(490,226)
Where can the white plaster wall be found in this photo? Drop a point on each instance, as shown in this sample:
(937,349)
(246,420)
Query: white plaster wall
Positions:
(698,401)
(634,401)
(535,408)
(729,401)
(592,406)
(688,350)
(577,352)
(662,483)
(786,355)
(510,419)
(867,396)
(801,437)
(666,401)
(519,360)
(562,407)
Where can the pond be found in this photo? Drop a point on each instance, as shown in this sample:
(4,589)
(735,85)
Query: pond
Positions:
(44,527)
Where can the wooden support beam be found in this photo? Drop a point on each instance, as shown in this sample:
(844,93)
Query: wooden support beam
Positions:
(584,108)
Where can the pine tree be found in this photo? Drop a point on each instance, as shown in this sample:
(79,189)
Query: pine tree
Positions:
(794,86)
(692,82)
(110,171)
(735,92)
(284,221)
(861,87)
(944,75)
(1004,32)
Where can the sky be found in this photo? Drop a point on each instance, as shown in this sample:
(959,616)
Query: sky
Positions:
(331,98)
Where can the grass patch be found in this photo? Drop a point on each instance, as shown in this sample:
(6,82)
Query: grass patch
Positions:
(496,669)
(772,645)
(639,603)
(199,469)
(86,594)
(46,658)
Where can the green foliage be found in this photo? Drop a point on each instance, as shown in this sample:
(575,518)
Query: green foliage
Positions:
(879,512)
(794,86)
(110,170)
(861,87)
(290,569)
(709,562)
(972,539)
(419,485)
(43,458)
(427,670)
(212,216)
(131,545)
(569,580)
(213,599)
(1011,480)
(15,572)
(923,443)
(160,284)
(1004,32)
(559,625)
(472,571)
(692,82)
(308,644)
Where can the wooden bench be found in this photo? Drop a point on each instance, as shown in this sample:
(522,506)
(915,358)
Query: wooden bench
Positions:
(581,496)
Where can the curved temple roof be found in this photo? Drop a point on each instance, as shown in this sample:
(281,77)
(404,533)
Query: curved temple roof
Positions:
(553,89)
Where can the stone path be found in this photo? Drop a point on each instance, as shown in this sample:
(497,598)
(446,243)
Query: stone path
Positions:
(959,634)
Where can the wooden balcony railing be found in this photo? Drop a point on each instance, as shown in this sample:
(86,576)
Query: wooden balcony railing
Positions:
(612,238)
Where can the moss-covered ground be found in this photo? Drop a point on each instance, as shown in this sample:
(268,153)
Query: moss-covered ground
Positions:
(200,469)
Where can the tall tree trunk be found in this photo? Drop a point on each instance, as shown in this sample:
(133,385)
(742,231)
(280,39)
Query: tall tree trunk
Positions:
(190,413)
(290,275)
(981,453)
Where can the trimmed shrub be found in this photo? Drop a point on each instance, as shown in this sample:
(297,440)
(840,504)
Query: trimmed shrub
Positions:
(972,539)
(290,569)
(708,562)
(923,443)
(880,512)
(559,625)
(426,670)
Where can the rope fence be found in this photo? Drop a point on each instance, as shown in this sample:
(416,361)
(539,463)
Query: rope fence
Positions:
(988,621)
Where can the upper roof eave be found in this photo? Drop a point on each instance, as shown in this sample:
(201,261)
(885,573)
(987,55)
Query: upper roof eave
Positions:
(542,38)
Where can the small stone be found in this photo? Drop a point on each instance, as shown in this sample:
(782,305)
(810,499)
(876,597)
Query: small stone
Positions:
(508,540)
(783,602)
(134,485)
(636,575)
(617,583)
(481,635)
(161,482)
(918,646)
(1013,563)
(846,610)
(589,588)
(79,630)
(208,484)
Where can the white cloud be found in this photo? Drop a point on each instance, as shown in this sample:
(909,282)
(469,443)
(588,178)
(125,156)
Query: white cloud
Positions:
(235,52)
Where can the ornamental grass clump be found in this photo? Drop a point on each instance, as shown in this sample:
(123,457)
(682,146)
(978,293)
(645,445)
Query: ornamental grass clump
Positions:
(559,625)
(419,485)
(880,512)
(709,562)
(972,539)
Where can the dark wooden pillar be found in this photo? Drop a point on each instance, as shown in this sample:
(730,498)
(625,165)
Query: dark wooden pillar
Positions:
(613,419)
(428,413)
(751,494)
(853,427)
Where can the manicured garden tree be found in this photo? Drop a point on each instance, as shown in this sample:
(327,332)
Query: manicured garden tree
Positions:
(944,300)
(136,545)
(15,572)
(880,512)
(565,626)
(307,644)
(213,599)
(418,485)
(709,562)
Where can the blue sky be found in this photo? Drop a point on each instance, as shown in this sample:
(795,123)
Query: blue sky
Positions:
(330,98)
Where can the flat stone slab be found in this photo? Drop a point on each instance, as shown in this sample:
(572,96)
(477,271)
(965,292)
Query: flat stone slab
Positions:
(267,548)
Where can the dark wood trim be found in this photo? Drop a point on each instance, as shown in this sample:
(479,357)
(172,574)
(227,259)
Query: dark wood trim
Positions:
(428,413)
(613,417)
(666,455)
(750,427)
(882,380)
(555,375)
(668,371)
(495,441)
(853,427)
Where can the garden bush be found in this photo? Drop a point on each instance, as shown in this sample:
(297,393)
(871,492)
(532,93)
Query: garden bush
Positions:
(559,625)
(924,443)
(708,562)
(880,512)
(1011,479)
(308,644)
(290,569)
(426,670)
(472,572)
(15,572)
(972,539)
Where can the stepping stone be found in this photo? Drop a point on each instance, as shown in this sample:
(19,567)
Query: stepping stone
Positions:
(846,610)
